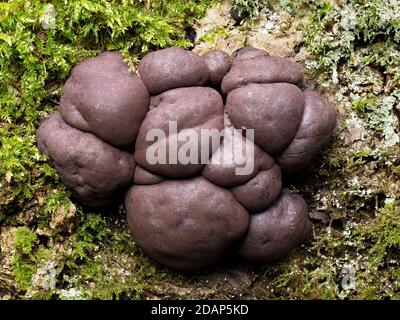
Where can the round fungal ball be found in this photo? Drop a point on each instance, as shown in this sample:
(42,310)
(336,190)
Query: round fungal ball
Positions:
(254,67)
(247,53)
(185,224)
(275,232)
(260,192)
(273,110)
(315,131)
(172,68)
(145,178)
(238,15)
(236,161)
(175,121)
(218,63)
(250,174)
(104,98)
(93,170)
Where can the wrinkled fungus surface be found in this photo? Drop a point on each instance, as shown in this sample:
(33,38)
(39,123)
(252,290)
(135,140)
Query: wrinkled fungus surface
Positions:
(187,214)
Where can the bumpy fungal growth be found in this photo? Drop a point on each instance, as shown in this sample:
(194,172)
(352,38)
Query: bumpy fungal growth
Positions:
(253,67)
(104,98)
(192,197)
(218,63)
(276,112)
(172,68)
(248,54)
(317,124)
(185,224)
(94,170)
(255,190)
(193,108)
(277,230)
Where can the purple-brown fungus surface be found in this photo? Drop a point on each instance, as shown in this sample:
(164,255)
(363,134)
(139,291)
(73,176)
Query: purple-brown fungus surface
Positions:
(199,146)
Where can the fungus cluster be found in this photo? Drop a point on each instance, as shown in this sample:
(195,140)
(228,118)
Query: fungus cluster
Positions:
(187,214)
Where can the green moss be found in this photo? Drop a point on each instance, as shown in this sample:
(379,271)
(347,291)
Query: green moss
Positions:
(19,155)
(25,241)
(213,35)
(357,22)
(22,261)
(91,231)
(57,199)
(383,233)
(288,5)
(126,273)
(361,105)
(252,8)
(23,272)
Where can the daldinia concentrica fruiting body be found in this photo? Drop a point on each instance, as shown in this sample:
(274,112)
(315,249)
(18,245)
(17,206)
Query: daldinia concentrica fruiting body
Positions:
(260,192)
(255,189)
(144,178)
(94,170)
(185,224)
(193,108)
(218,63)
(255,68)
(104,98)
(172,68)
(318,122)
(273,110)
(190,197)
(247,54)
(277,230)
